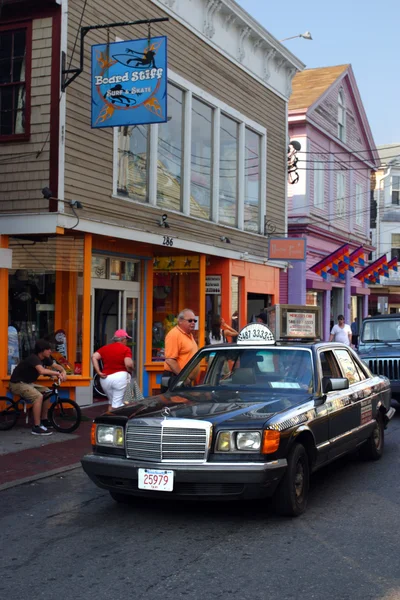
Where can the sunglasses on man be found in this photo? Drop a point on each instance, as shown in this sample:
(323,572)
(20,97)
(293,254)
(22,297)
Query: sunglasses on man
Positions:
(190,320)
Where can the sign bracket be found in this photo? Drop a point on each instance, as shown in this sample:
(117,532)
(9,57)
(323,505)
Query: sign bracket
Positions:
(69,75)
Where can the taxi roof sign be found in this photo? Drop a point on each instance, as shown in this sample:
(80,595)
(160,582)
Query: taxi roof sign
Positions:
(255,333)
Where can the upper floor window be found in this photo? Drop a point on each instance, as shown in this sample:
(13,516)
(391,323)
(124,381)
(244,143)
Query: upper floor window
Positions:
(319,184)
(340,194)
(341,116)
(207,161)
(396,189)
(14,82)
(395,250)
(359,204)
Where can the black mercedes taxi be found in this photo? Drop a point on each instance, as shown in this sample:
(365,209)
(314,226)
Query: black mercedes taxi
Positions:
(246,420)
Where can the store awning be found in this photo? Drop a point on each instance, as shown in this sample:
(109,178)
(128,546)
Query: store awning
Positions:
(380,267)
(332,261)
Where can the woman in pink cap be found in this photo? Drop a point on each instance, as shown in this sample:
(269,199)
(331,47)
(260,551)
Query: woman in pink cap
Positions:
(117,367)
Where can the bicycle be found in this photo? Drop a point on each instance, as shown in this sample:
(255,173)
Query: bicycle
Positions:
(65,415)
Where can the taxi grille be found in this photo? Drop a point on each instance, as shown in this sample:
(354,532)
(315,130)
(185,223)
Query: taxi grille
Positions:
(390,367)
(160,442)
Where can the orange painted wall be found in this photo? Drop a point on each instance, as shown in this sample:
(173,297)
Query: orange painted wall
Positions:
(260,279)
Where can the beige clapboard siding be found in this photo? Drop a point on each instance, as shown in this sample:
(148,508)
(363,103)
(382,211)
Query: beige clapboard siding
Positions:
(197,62)
(22,177)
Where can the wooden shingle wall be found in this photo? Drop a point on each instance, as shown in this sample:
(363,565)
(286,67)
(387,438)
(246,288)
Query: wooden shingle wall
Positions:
(23,175)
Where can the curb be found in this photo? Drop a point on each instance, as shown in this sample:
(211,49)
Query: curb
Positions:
(16,482)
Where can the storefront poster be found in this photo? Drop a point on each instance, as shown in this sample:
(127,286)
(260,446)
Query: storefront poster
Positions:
(129,83)
(300,324)
(213,284)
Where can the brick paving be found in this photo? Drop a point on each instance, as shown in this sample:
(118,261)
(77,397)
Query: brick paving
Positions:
(50,457)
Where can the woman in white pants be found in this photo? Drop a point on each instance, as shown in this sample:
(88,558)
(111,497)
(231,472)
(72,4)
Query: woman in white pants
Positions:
(117,368)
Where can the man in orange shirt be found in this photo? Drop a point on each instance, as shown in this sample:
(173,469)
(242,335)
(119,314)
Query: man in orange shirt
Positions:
(180,345)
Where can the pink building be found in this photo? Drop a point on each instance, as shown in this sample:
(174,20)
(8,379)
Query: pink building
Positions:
(330,204)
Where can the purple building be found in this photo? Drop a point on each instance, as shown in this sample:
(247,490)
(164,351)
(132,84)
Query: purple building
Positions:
(330,204)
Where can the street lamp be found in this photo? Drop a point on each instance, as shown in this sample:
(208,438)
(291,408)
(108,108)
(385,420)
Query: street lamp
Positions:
(306,36)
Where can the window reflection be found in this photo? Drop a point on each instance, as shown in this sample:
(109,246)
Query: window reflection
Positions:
(252,182)
(169,162)
(228,172)
(200,172)
(132,162)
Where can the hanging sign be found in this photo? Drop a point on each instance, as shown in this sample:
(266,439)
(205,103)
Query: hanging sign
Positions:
(129,83)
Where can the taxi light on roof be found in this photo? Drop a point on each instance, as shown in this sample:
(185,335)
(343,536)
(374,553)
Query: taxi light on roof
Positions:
(270,443)
(256,334)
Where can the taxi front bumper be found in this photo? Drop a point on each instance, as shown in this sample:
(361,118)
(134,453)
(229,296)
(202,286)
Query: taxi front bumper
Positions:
(206,480)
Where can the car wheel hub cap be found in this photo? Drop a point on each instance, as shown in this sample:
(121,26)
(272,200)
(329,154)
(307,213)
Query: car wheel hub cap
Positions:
(299,481)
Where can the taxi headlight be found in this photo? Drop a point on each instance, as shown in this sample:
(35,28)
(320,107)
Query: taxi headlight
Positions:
(224,441)
(248,441)
(110,435)
(238,441)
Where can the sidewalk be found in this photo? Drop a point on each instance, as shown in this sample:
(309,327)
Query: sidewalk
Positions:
(25,457)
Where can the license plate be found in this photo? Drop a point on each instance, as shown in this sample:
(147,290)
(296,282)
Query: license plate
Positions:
(155,480)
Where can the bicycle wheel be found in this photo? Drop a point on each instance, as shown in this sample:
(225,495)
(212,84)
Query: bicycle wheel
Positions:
(65,415)
(9,413)
(97,387)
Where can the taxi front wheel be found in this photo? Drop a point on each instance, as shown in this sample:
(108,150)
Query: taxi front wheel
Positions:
(292,493)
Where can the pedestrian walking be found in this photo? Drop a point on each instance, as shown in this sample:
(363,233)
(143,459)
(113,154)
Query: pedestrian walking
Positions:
(341,332)
(117,367)
(354,332)
(180,346)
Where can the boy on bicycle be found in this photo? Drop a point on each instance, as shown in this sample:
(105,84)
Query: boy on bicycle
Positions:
(22,383)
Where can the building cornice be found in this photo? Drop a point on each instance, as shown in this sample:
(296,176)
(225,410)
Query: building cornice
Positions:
(230,30)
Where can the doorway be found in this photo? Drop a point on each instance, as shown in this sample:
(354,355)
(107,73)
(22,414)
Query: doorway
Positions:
(115,305)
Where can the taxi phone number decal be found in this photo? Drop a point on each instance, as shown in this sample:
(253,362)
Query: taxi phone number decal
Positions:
(366,411)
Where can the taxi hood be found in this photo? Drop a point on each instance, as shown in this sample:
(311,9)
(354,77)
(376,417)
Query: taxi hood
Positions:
(233,407)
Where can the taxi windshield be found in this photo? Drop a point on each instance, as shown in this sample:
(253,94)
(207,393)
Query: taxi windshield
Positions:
(381,330)
(268,369)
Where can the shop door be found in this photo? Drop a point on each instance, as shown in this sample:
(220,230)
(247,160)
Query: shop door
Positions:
(115,308)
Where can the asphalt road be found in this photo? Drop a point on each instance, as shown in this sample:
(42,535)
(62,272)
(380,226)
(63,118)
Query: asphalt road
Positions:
(63,538)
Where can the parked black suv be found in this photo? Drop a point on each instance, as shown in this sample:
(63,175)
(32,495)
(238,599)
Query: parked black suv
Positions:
(379,348)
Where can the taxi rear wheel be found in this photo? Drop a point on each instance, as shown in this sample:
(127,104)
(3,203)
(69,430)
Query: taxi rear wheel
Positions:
(292,493)
(373,447)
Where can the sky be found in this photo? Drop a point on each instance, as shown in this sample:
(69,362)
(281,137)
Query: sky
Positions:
(359,32)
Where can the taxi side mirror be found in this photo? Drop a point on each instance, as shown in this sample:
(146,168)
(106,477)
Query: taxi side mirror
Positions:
(334,384)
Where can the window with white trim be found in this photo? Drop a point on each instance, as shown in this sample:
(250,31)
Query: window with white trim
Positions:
(319,184)
(395,250)
(359,204)
(396,190)
(341,116)
(207,161)
(340,194)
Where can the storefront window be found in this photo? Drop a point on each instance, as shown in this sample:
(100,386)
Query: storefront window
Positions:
(200,174)
(252,181)
(169,160)
(228,172)
(176,286)
(132,162)
(45,298)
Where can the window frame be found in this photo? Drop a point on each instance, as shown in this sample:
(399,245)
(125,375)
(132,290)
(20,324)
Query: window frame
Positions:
(395,189)
(340,212)
(341,120)
(13,27)
(359,204)
(319,177)
(190,91)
